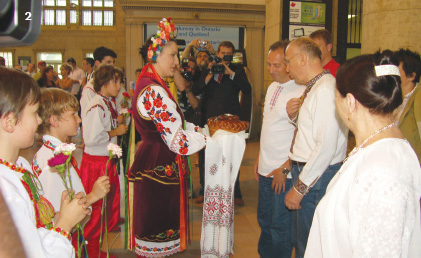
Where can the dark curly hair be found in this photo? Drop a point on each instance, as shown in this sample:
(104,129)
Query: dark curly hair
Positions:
(411,62)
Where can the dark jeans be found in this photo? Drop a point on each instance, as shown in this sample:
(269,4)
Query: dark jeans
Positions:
(302,219)
(274,220)
(237,190)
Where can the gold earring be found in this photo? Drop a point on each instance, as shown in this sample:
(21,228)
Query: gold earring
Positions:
(349,117)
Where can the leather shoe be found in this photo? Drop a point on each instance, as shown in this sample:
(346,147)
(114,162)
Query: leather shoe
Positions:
(239,202)
(199,199)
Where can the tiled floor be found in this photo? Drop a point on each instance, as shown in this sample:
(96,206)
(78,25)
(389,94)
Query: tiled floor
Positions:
(246,228)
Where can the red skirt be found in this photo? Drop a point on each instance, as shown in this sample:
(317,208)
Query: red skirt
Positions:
(91,168)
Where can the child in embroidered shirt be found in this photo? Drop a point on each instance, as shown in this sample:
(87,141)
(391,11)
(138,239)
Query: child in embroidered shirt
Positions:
(19,121)
(100,128)
(59,114)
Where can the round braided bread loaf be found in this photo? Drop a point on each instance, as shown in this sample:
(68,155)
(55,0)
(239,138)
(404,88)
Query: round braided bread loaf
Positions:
(227,122)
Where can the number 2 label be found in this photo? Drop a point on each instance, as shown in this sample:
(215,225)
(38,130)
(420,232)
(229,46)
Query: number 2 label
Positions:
(28,16)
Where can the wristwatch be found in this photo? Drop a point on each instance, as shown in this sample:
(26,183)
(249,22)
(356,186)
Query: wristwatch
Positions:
(285,171)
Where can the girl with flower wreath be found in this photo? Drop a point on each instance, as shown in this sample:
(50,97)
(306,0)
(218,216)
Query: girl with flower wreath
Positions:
(160,170)
(32,214)
(100,128)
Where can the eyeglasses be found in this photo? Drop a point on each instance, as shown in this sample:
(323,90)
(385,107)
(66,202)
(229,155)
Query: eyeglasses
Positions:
(287,61)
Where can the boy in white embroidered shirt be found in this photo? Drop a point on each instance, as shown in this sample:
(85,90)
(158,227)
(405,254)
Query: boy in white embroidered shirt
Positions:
(59,114)
(19,120)
(99,129)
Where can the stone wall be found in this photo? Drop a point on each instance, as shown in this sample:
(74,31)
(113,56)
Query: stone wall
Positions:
(391,24)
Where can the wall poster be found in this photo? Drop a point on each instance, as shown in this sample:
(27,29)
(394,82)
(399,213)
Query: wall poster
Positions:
(301,18)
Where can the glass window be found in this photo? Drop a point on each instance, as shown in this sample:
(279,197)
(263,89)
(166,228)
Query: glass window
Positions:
(91,55)
(61,3)
(73,16)
(55,59)
(8,57)
(108,3)
(60,17)
(98,3)
(86,18)
(108,18)
(83,12)
(97,18)
(49,17)
(86,2)
(49,2)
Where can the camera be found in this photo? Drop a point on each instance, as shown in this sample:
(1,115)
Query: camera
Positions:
(187,75)
(203,44)
(219,68)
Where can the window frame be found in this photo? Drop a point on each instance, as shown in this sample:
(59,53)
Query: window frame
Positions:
(79,8)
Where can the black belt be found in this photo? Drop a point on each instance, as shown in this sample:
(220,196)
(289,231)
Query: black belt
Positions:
(298,163)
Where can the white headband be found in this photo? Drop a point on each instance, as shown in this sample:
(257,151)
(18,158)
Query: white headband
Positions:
(383,70)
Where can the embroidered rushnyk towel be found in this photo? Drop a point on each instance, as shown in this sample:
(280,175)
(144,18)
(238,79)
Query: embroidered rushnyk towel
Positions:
(224,152)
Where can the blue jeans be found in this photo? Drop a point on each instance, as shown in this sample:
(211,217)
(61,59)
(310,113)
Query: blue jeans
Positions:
(274,220)
(302,219)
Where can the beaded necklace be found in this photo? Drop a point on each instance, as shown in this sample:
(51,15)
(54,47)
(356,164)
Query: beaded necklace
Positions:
(44,210)
(356,149)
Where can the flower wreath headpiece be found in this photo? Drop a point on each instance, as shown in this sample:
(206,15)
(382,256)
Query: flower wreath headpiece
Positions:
(166,31)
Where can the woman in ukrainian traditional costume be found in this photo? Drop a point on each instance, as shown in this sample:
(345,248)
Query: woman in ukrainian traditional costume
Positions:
(371,207)
(31,212)
(99,129)
(160,170)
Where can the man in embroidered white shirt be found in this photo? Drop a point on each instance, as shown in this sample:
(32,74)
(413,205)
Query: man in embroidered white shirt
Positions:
(272,164)
(319,146)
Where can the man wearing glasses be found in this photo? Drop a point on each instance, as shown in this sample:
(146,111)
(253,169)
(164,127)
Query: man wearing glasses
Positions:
(319,144)
(272,165)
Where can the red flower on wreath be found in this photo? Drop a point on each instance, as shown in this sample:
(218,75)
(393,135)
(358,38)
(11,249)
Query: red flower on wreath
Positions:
(156,115)
(153,94)
(170,232)
(172,119)
(157,103)
(164,116)
(160,127)
(184,150)
(181,143)
(164,106)
(147,105)
(152,112)
(148,89)
(184,137)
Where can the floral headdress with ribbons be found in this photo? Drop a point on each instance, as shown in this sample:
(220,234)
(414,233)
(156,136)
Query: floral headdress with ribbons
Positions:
(166,31)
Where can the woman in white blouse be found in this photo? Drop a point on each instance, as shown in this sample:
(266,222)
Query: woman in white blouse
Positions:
(371,207)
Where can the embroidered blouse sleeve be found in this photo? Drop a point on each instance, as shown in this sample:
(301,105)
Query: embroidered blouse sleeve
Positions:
(94,130)
(155,104)
(36,242)
(379,210)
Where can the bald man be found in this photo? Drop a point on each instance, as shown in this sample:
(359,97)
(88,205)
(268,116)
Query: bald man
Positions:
(319,145)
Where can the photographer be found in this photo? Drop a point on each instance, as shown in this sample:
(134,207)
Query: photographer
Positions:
(202,49)
(188,102)
(220,85)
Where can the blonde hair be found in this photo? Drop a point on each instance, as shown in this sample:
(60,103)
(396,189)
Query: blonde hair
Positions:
(67,67)
(54,101)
